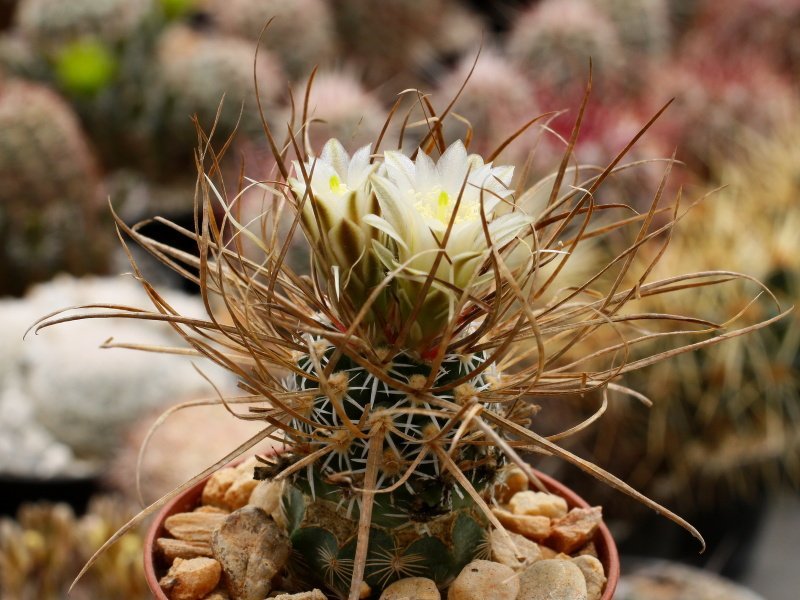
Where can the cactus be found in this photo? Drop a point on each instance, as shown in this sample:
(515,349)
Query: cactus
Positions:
(340,107)
(734,408)
(643,25)
(403,373)
(302,34)
(429,526)
(50,197)
(19,58)
(554,40)
(715,102)
(764,28)
(40,550)
(194,73)
(52,23)
(390,40)
(497,100)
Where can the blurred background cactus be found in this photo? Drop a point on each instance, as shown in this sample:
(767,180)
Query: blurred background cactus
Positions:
(301,35)
(734,409)
(643,26)
(41,550)
(51,24)
(50,198)
(496,102)
(553,41)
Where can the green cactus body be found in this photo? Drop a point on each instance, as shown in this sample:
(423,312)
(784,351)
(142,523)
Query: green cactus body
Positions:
(427,525)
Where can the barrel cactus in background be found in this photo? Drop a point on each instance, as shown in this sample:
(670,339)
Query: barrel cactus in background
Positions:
(735,407)
(497,100)
(40,550)
(340,106)
(195,71)
(682,14)
(302,33)
(714,102)
(53,23)
(19,58)
(390,41)
(51,198)
(553,41)
(763,28)
(68,420)
(643,26)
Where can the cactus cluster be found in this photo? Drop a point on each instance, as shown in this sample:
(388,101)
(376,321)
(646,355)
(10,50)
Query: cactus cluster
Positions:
(42,547)
(406,368)
(49,206)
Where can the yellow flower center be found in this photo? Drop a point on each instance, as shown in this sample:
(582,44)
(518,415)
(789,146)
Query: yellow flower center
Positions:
(438,205)
(336,185)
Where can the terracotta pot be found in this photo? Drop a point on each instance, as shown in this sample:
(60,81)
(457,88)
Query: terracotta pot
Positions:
(188,501)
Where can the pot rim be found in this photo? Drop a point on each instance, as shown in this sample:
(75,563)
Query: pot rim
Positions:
(604,541)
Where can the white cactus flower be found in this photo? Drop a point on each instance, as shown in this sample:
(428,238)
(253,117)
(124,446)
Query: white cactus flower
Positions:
(340,195)
(420,199)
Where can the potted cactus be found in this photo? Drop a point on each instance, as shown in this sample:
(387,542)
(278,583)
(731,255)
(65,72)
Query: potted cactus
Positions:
(403,378)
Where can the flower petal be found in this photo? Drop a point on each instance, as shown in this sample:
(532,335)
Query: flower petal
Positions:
(359,168)
(336,156)
(452,167)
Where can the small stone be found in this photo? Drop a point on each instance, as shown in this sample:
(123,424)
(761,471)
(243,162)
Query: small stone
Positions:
(548,579)
(214,510)
(548,552)
(247,467)
(538,503)
(218,595)
(191,579)
(593,573)
(588,550)
(217,485)
(365,591)
(172,548)
(267,496)
(312,595)
(505,554)
(576,529)
(194,526)
(412,588)
(513,480)
(482,579)
(252,550)
(238,494)
(536,528)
